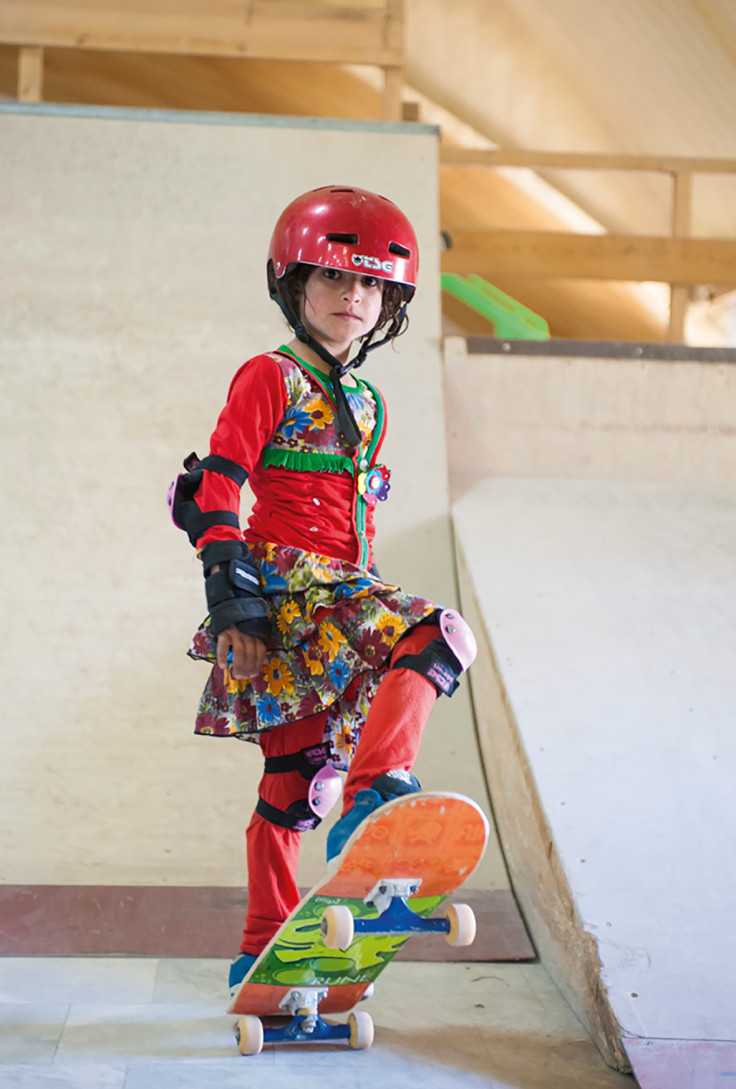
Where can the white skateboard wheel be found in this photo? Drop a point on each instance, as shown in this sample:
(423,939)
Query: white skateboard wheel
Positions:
(361,1030)
(249,1034)
(337,926)
(462,924)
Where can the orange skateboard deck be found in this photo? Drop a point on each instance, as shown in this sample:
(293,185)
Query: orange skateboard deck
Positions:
(394,872)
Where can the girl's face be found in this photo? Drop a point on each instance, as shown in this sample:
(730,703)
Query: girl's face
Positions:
(338,307)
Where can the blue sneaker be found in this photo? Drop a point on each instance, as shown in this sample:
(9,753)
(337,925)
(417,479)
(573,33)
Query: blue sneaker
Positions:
(239,970)
(385,788)
(395,783)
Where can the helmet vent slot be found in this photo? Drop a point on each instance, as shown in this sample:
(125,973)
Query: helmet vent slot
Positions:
(400,251)
(346,239)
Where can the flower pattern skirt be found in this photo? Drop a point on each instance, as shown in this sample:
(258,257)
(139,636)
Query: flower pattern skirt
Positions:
(334,626)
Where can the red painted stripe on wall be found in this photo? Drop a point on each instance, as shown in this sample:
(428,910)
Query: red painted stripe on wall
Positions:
(75,920)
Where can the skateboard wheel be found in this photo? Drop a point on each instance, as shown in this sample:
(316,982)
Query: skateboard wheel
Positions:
(462,924)
(361,1030)
(337,926)
(249,1034)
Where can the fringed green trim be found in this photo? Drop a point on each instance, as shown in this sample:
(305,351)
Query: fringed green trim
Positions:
(308,461)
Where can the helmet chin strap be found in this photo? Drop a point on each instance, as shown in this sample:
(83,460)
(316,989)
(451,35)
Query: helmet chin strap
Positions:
(393,330)
(345,417)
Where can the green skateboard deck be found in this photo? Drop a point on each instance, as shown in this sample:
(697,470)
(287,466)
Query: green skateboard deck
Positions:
(418,849)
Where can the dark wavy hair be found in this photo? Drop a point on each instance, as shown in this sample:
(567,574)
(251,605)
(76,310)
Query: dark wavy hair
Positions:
(292,284)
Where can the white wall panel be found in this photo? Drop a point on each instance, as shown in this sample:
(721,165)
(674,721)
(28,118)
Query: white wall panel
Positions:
(133,286)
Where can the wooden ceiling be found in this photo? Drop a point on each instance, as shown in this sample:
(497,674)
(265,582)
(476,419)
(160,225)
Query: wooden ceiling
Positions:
(655,79)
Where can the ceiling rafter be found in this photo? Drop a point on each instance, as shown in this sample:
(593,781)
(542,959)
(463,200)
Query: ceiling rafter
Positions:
(275,30)
(560,255)
(295,30)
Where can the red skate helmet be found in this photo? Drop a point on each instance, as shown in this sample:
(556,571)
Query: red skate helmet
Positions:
(345,228)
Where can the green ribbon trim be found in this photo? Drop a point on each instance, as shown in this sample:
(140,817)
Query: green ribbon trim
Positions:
(308,461)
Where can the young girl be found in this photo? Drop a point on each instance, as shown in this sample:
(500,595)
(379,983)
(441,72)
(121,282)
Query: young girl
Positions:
(314,656)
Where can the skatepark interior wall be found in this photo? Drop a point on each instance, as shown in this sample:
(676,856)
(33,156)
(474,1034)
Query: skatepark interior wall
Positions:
(593,511)
(595,525)
(133,248)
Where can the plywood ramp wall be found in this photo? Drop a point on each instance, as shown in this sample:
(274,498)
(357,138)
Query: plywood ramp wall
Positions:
(589,411)
(134,251)
(596,527)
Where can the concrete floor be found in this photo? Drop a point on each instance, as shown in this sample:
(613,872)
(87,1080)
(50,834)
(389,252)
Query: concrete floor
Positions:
(128,1023)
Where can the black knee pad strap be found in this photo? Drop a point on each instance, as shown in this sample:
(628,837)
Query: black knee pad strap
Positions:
(307,761)
(298,817)
(437,663)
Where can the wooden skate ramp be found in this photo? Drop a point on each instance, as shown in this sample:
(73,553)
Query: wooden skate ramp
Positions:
(605,696)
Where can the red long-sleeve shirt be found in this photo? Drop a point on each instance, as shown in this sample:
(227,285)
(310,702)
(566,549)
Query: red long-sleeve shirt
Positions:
(317,511)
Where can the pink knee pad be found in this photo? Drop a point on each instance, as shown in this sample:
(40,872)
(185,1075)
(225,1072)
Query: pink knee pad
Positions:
(324,790)
(460,639)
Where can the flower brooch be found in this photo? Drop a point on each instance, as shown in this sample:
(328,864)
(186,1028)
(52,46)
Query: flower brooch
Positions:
(374,485)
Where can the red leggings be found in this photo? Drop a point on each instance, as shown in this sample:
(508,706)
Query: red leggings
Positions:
(390,739)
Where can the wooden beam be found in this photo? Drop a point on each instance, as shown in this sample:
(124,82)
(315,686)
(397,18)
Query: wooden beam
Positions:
(682,201)
(681,225)
(679,303)
(391,97)
(553,254)
(573,160)
(30,74)
(296,30)
(393,75)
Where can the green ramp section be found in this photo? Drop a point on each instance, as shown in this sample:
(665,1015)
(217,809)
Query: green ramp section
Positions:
(511,319)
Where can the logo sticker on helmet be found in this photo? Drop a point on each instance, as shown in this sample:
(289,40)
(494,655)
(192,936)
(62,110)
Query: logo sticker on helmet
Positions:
(373,263)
